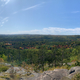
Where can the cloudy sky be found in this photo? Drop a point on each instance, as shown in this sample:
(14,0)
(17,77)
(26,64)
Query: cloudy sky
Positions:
(56,17)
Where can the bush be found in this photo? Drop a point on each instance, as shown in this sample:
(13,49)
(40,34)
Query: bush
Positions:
(77,63)
(76,77)
(73,58)
(1,60)
(3,68)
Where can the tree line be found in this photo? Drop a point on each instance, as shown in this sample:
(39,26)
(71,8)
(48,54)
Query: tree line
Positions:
(39,50)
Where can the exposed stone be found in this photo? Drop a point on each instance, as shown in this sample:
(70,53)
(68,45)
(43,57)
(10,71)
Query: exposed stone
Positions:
(19,70)
(73,71)
(56,74)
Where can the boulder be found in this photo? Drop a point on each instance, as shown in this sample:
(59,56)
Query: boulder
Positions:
(73,71)
(7,64)
(19,70)
(65,78)
(57,74)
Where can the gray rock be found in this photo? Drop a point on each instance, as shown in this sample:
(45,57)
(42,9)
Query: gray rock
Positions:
(65,78)
(73,71)
(7,64)
(19,70)
(57,74)
(36,74)
(64,72)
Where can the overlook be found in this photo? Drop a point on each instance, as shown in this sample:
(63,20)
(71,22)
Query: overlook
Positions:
(39,55)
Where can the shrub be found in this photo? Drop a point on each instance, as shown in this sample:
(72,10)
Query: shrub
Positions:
(76,77)
(1,60)
(77,63)
(73,58)
(3,68)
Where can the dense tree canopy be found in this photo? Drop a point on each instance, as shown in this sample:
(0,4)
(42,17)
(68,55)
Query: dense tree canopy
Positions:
(39,49)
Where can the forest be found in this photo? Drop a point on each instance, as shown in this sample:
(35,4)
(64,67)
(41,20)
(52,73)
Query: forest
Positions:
(39,50)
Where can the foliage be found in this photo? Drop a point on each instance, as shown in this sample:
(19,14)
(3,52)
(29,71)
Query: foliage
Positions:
(73,58)
(77,63)
(76,77)
(3,68)
(1,60)
(4,57)
(39,50)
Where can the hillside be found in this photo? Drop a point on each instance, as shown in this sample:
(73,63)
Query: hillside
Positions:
(40,52)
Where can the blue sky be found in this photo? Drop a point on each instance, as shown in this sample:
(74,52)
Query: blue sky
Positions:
(56,17)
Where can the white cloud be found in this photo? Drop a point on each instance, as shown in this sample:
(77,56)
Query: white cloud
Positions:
(75,12)
(5,2)
(29,8)
(32,6)
(4,20)
(1,25)
(15,12)
(52,30)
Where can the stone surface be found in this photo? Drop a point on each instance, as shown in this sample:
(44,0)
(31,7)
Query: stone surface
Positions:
(19,70)
(73,71)
(57,74)
(6,64)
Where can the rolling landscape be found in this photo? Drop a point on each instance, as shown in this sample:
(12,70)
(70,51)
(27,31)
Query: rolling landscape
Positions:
(39,53)
(39,39)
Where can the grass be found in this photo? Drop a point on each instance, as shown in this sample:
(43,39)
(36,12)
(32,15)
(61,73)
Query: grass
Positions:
(3,68)
(16,76)
(76,76)
(2,79)
(62,67)
(30,68)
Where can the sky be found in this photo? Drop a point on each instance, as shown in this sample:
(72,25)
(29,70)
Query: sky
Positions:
(49,17)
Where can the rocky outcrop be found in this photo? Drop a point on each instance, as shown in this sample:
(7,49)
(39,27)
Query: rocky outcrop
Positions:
(73,71)
(19,70)
(6,64)
(57,74)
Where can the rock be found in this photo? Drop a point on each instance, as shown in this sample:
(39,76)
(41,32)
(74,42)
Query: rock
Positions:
(7,64)
(64,72)
(64,64)
(65,78)
(71,63)
(36,74)
(19,70)
(73,71)
(57,74)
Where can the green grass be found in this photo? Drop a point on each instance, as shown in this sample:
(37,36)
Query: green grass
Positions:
(76,77)
(3,68)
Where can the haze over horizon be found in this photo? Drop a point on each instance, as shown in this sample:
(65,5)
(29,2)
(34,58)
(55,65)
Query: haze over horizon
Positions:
(50,17)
